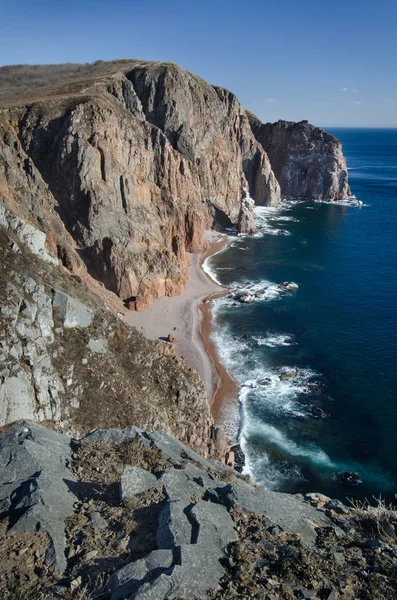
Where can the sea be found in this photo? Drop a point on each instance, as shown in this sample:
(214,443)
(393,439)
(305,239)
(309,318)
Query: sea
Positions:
(316,363)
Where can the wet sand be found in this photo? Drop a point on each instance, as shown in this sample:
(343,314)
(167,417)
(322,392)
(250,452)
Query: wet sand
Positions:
(188,317)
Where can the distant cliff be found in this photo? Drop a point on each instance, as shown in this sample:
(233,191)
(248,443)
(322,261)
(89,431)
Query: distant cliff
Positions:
(307,161)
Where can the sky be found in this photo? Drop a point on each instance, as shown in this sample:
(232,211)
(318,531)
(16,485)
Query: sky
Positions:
(333,63)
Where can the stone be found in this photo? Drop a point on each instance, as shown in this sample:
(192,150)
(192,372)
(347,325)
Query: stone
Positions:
(76,583)
(171,338)
(127,580)
(33,238)
(99,522)
(135,480)
(174,527)
(179,484)
(36,485)
(214,525)
(177,453)
(73,313)
(290,512)
(99,346)
(28,310)
(348,478)
(197,572)
(17,398)
(119,436)
(338,507)
(287,373)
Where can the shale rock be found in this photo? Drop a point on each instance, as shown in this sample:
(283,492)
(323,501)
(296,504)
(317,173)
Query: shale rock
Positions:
(134,481)
(36,485)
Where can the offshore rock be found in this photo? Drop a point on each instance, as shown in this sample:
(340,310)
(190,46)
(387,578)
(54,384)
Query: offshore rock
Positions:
(307,161)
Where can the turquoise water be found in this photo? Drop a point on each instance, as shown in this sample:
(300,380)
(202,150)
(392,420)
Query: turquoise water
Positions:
(338,331)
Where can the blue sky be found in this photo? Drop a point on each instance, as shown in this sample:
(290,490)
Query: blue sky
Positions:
(331,62)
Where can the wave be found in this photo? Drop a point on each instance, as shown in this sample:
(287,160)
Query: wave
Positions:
(274,340)
(263,215)
(277,458)
(208,268)
(260,291)
(353,202)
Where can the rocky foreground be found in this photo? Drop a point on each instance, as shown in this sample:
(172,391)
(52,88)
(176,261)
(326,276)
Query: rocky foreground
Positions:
(128,514)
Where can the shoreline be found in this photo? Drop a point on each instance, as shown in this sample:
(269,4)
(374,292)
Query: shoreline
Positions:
(226,387)
(188,317)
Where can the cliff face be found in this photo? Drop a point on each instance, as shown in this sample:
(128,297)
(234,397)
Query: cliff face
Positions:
(136,165)
(126,163)
(307,161)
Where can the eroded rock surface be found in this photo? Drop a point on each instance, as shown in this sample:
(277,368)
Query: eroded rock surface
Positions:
(307,161)
(67,359)
(187,529)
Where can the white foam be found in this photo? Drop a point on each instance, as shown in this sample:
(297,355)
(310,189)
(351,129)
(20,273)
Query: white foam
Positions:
(348,202)
(263,215)
(208,268)
(272,340)
(258,291)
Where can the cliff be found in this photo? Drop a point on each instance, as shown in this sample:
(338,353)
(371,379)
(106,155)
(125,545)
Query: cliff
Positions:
(135,160)
(67,360)
(307,161)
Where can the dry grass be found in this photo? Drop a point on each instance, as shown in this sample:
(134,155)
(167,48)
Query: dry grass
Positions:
(26,83)
(379,520)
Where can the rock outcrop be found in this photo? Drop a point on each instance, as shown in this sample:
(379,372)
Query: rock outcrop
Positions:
(67,359)
(125,514)
(135,163)
(307,161)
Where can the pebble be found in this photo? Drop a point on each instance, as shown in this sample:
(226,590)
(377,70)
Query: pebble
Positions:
(76,583)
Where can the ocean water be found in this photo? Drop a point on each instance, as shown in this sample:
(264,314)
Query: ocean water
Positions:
(336,334)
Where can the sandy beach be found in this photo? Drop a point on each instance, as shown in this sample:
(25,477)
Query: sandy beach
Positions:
(188,317)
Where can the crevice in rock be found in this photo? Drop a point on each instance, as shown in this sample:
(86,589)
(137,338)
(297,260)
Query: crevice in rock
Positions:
(193,522)
(103,166)
(122,193)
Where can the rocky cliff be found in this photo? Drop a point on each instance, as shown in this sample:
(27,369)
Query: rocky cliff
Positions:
(307,161)
(126,163)
(67,360)
(135,160)
(124,514)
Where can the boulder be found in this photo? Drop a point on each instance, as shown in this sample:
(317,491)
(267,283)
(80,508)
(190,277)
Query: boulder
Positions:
(99,346)
(214,524)
(290,512)
(119,436)
(73,313)
(171,338)
(126,581)
(287,373)
(36,485)
(348,478)
(135,480)
(174,527)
